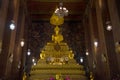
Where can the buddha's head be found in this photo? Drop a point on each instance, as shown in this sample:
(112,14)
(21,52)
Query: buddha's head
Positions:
(57,29)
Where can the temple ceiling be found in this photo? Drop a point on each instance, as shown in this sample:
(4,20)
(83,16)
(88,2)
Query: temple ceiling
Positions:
(43,9)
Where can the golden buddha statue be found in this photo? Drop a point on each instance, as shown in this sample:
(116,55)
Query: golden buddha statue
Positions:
(42,56)
(59,77)
(57,20)
(57,37)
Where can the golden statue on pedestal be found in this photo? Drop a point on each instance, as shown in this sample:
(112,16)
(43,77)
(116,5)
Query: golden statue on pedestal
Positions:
(57,37)
(59,77)
(57,59)
(56,20)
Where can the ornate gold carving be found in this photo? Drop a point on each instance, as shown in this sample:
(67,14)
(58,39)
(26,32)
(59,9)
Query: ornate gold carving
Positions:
(56,20)
(57,47)
(71,55)
(42,55)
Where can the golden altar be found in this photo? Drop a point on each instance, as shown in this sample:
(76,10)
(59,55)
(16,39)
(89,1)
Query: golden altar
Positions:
(57,61)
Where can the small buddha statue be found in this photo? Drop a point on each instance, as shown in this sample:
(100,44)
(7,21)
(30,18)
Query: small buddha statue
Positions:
(42,55)
(59,77)
(57,37)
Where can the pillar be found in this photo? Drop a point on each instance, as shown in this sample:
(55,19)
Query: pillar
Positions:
(18,52)
(3,15)
(115,20)
(88,47)
(6,17)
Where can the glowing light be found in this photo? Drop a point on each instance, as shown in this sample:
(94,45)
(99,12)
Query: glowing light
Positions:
(34,63)
(61,11)
(95,43)
(12,25)
(22,43)
(109,27)
(28,53)
(33,60)
(81,60)
(87,53)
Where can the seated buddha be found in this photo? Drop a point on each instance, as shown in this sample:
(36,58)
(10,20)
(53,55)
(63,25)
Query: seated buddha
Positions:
(57,37)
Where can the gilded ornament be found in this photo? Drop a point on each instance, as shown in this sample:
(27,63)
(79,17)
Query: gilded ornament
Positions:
(71,56)
(42,56)
(56,20)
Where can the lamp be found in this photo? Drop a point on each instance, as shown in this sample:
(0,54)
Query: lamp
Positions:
(34,61)
(87,53)
(12,25)
(95,43)
(61,11)
(109,26)
(22,43)
(28,53)
(81,60)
